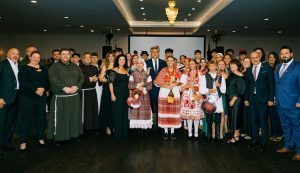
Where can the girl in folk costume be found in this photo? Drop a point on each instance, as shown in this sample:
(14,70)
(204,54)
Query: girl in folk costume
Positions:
(140,82)
(169,98)
(191,99)
(213,85)
(203,66)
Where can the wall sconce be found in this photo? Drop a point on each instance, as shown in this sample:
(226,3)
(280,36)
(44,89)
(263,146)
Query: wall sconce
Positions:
(172,12)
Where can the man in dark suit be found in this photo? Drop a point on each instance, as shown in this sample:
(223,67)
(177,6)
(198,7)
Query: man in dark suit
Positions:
(287,78)
(259,95)
(9,87)
(55,58)
(155,64)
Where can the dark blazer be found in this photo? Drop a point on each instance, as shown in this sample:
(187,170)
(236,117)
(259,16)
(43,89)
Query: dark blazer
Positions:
(161,65)
(264,84)
(8,82)
(288,86)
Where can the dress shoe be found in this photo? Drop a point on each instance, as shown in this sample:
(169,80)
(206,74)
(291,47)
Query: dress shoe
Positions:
(9,149)
(252,144)
(263,147)
(173,136)
(165,136)
(296,157)
(283,150)
(22,150)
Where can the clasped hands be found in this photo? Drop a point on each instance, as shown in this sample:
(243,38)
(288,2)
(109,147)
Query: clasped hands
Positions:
(93,78)
(70,90)
(40,91)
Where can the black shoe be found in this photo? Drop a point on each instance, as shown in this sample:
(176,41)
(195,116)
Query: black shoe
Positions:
(22,150)
(9,149)
(263,147)
(173,136)
(165,136)
(208,140)
(40,144)
(252,144)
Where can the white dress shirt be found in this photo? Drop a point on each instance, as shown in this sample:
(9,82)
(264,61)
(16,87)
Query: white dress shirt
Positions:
(286,66)
(14,66)
(257,69)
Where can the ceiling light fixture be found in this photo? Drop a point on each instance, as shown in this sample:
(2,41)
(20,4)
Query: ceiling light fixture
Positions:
(171,12)
(92,30)
(142,8)
(233,31)
(81,26)
(208,30)
(189,14)
(198,0)
(66,17)
(118,29)
(246,27)
(193,9)
(34,2)
(279,32)
(45,30)
(144,19)
(141,0)
(266,19)
(143,14)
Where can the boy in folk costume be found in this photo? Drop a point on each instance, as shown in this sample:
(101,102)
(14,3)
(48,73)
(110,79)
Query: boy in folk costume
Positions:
(213,85)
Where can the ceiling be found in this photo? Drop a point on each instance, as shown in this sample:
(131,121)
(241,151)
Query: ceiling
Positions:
(125,17)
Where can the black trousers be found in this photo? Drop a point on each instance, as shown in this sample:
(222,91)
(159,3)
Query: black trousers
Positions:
(216,118)
(9,114)
(32,110)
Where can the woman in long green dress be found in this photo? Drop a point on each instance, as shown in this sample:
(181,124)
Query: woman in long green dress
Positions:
(118,86)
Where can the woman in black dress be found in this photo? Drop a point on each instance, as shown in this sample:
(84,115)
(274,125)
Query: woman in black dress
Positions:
(34,82)
(106,119)
(235,91)
(118,86)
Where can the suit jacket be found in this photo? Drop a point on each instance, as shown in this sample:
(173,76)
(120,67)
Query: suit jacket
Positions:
(288,86)
(8,82)
(264,84)
(161,64)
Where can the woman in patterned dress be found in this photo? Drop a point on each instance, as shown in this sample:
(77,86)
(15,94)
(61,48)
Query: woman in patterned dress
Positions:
(140,83)
(191,99)
(169,98)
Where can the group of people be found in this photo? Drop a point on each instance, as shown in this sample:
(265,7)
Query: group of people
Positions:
(226,97)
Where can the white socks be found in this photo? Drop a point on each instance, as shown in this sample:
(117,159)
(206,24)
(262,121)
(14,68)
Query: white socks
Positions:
(196,127)
(190,126)
(172,130)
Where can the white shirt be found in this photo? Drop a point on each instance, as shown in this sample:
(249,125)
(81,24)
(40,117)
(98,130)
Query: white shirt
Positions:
(15,68)
(287,65)
(153,62)
(257,69)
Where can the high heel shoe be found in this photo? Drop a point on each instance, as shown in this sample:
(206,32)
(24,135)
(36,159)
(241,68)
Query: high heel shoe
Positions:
(234,140)
(41,144)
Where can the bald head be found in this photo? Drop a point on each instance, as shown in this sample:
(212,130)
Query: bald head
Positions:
(255,58)
(13,54)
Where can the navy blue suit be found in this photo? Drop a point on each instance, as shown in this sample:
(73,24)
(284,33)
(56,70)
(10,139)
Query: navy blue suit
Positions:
(9,113)
(287,95)
(155,90)
(258,102)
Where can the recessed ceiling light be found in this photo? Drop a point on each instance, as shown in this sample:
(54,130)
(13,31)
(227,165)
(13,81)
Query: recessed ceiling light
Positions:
(189,14)
(118,29)
(141,0)
(208,30)
(0,17)
(266,19)
(198,0)
(245,27)
(34,2)
(193,8)
(45,30)
(81,26)
(233,31)
(142,8)
(66,17)
(92,30)
(144,19)
(143,14)
(185,19)
(279,32)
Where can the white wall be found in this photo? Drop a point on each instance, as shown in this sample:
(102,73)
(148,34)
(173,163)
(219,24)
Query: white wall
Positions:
(47,42)
(93,42)
(268,43)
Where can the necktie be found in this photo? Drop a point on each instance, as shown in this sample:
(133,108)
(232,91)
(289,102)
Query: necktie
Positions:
(155,66)
(282,69)
(254,72)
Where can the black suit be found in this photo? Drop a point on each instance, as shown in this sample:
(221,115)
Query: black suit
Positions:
(155,90)
(258,93)
(9,93)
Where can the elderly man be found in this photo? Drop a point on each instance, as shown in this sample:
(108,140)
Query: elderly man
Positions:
(66,80)
(9,87)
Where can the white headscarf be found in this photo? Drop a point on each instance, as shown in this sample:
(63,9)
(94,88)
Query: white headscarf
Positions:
(145,65)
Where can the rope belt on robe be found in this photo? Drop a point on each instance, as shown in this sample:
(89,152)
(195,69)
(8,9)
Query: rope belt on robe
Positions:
(82,103)
(55,107)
